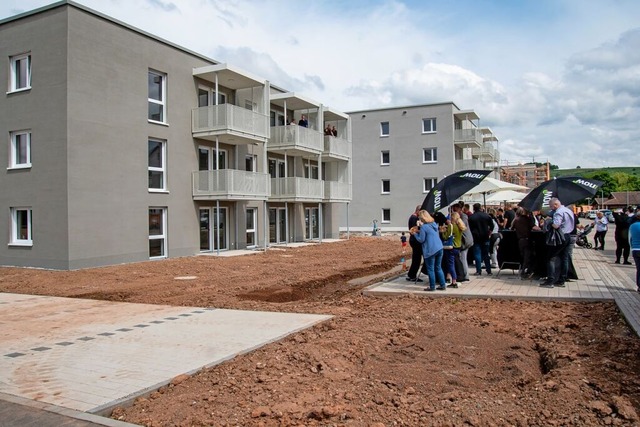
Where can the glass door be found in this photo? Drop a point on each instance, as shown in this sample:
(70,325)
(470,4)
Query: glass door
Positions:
(252,227)
(277,225)
(209,229)
(312,229)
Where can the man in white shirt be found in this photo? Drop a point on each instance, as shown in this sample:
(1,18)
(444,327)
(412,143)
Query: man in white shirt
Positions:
(557,267)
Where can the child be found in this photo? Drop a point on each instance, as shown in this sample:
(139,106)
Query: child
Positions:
(403,239)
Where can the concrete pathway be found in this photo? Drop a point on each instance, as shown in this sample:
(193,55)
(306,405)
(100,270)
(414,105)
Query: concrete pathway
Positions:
(599,279)
(89,356)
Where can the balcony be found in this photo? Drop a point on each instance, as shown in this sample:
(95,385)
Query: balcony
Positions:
(230,123)
(294,189)
(336,148)
(467,138)
(464,164)
(485,152)
(230,184)
(295,140)
(337,191)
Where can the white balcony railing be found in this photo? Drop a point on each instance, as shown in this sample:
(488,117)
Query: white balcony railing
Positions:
(294,188)
(295,137)
(467,137)
(231,184)
(464,164)
(485,152)
(336,147)
(337,191)
(229,118)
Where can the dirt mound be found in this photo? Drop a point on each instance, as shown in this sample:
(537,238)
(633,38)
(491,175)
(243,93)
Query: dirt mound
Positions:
(379,361)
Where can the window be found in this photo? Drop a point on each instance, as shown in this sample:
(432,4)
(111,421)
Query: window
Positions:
(251,224)
(428,184)
(206,97)
(21,228)
(20,73)
(157,164)
(428,125)
(157,96)
(386,215)
(386,186)
(157,232)
(384,129)
(384,158)
(20,149)
(250,163)
(429,155)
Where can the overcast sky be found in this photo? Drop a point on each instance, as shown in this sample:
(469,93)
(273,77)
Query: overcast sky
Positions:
(556,80)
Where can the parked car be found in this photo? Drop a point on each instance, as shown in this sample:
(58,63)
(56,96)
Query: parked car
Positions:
(608,214)
(592,214)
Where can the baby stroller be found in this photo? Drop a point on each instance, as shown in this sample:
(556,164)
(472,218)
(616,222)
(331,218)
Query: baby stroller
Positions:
(582,240)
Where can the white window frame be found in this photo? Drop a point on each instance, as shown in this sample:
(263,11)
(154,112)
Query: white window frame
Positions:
(13,150)
(163,98)
(162,169)
(434,154)
(162,236)
(431,128)
(254,231)
(387,220)
(253,159)
(15,235)
(382,190)
(382,134)
(222,97)
(425,187)
(382,162)
(14,71)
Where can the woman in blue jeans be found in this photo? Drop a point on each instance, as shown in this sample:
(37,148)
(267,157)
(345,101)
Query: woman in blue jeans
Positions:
(429,236)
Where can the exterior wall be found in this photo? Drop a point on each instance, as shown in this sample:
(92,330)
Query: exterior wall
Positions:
(43,187)
(108,143)
(87,111)
(406,170)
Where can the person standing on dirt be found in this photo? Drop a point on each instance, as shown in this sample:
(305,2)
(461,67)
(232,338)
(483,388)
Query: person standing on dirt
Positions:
(416,248)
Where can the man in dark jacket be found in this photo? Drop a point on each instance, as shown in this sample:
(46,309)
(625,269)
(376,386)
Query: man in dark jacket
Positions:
(416,248)
(481,226)
(622,234)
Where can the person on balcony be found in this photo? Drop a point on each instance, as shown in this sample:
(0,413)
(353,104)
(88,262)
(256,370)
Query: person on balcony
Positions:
(334,131)
(303,121)
(327,130)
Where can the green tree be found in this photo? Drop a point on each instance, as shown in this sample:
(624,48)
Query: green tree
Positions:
(626,182)
(609,183)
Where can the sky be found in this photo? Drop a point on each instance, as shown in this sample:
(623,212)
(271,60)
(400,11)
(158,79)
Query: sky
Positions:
(555,80)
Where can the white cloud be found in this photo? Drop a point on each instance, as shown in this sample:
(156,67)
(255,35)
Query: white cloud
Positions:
(554,80)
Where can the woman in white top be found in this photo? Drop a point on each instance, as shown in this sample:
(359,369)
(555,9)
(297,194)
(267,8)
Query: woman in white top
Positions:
(600,224)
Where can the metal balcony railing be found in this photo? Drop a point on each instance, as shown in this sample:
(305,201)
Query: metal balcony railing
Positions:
(337,148)
(225,118)
(467,137)
(337,191)
(464,164)
(294,137)
(296,189)
(231,184)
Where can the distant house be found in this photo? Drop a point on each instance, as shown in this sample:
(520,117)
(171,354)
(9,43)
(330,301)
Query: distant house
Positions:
(622,199)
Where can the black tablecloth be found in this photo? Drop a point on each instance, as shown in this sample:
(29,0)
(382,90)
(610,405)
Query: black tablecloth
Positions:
(508,252)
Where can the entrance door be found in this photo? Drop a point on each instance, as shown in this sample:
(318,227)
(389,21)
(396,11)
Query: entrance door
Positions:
(311,223)
(252,227)
(277,225)
(209,229)
(207,159)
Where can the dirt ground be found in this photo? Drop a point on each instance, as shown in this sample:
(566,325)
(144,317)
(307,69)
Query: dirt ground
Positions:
(408,361)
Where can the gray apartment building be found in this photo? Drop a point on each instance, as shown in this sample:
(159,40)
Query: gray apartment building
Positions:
(400,153)
(123,147)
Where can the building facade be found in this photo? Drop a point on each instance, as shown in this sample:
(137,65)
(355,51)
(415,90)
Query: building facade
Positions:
(123,147)
(400,153)
(528,174)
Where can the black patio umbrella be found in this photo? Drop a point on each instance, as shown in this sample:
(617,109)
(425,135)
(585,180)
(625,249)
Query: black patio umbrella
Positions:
(451,187)
(568,189)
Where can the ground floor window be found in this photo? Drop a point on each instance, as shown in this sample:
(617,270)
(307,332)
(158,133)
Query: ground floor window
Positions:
(157,232)
(386,215)
(252,227)
(21,227)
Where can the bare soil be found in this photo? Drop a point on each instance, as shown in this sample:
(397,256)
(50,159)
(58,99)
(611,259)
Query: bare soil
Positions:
(408,361)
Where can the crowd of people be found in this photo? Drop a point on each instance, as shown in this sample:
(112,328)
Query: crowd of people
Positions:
(440,243)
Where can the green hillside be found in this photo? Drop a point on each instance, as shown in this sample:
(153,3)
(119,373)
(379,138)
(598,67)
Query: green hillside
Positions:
(631,170)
